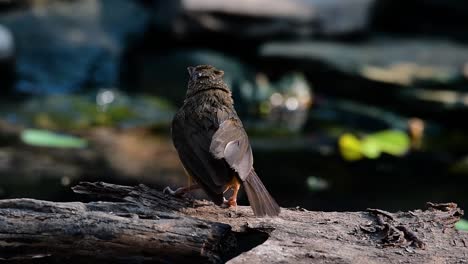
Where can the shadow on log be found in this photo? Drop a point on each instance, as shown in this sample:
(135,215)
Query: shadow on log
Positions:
(142,225)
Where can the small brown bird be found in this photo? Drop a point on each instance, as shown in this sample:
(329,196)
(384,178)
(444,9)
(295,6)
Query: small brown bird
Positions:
(213,145)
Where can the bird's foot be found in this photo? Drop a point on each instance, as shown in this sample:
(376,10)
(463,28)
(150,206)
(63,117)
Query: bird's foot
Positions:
(177,193)
(180,192)
(168,190)
(231,203)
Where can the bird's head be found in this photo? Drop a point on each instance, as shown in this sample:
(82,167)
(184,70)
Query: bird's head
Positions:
(205,77)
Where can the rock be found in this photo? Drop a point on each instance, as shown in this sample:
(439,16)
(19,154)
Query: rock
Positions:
(68,46)
(403,62)
(247,18)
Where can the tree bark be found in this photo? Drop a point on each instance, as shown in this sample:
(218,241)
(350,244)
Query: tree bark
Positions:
(139,224)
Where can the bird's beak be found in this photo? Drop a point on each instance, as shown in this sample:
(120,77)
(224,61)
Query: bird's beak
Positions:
(190,70)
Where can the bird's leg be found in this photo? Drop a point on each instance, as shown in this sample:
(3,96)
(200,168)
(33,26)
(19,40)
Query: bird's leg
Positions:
(181,191)
(232,201)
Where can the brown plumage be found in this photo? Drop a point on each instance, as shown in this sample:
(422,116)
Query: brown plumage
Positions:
(213,145)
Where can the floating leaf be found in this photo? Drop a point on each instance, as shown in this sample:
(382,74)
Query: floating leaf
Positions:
(393,142)
(44,138)
(462,225)
(350,147)
(370,148)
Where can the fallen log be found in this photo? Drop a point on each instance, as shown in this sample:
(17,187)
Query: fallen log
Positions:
(139,224)
(105,230)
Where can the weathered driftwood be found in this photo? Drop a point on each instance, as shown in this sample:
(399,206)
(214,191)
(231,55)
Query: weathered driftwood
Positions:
(138,224)
(31,228)
(121,230)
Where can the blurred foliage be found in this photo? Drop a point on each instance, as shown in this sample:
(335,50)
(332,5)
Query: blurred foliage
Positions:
(317,184)
(43,138)
(278,107)
(107,108)
(392,142)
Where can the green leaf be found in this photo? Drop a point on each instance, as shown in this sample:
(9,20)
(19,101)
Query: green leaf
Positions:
(393,142)
(462,225)
(44,138)
(350,147)
(370,148)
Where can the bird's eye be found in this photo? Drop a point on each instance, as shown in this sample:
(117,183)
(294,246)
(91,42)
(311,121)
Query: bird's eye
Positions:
(202,76)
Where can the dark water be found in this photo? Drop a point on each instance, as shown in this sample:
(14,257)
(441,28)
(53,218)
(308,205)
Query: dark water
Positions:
(390,183)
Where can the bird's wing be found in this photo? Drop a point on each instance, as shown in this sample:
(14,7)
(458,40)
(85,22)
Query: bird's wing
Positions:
(192,140)
(230,142)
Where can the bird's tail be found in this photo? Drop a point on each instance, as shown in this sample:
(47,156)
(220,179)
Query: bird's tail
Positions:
(260,200)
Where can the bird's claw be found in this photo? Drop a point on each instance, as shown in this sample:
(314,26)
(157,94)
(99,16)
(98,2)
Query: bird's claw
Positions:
(177,193)
(169,191)
(231,203)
